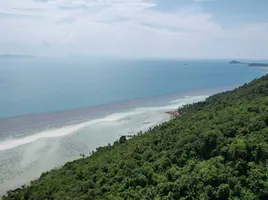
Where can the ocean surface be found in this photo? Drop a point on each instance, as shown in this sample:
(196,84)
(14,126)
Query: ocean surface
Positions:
(53,110)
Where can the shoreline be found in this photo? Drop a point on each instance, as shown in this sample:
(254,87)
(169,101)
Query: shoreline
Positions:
(147,125)
(173,113)
(156,115)
(66,130)
(46,147)
(26,123)
(121,103)
(15,183)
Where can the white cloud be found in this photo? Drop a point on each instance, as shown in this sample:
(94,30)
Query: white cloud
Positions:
(120,28)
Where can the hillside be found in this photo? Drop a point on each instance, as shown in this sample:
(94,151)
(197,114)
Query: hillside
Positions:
(217,149)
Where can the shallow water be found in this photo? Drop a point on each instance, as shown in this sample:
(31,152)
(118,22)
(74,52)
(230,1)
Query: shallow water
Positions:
(24,157)
(52,111)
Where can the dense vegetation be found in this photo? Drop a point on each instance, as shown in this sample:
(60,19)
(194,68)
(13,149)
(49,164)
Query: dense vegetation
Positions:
(217,149)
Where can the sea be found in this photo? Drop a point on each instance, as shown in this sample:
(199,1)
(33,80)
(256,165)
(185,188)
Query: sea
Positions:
(53,110)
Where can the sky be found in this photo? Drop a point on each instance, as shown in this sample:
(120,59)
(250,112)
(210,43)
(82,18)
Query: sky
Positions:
(216,29)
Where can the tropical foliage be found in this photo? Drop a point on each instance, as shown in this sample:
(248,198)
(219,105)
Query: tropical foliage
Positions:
(217,149)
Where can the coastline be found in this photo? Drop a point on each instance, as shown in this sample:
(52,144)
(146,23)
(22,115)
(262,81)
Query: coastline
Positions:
(147,125)
(82,136)
(38,152)
(25,123)
(46,153)
(184,143)
(174,113)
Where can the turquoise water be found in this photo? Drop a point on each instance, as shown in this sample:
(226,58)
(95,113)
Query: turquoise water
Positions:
(46,85)
(53,110)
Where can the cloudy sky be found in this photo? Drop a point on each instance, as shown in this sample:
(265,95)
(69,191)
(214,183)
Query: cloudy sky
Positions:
(135,28)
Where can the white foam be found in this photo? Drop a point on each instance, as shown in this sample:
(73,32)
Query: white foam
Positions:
(60,132)
(189,99)
(175,104)
(67,130)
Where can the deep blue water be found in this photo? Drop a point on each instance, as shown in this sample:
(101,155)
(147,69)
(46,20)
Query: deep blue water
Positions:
(47,85)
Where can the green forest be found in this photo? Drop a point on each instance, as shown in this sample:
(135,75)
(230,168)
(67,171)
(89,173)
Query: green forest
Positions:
(216,149)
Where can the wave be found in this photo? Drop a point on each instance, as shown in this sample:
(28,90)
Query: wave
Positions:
(175,104)
(189,99)
(68,130)
(52,133)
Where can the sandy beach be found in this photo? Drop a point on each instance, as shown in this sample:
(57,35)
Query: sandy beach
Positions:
(174,113)
(25,155)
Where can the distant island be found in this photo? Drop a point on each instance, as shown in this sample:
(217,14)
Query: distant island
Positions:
(258,65)
(249,64)
(18,56)
(235,62)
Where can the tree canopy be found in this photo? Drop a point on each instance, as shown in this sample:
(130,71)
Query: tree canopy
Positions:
(216,149)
